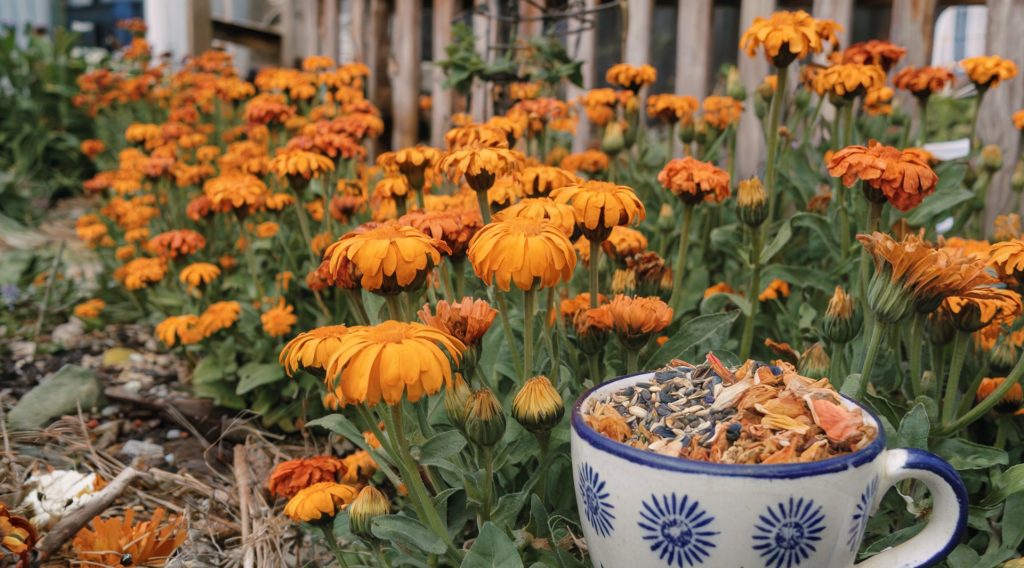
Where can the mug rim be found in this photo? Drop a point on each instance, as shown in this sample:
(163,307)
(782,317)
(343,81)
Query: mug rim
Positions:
(684,465)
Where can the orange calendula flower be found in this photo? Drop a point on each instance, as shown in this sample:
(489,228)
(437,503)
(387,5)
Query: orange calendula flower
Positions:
(787,36)
(267,108)
(874,52)
(721,112)
(413,162)
(719,288)
(475,134)
(17,536)
(636,320)
(600,206)
(311,349)
(923,82)
(1011,401)
(300,165)
(631,77)
(670,108)
(776,290)
(572,306)
(241,192)
(319,502)
(877,101)
(90,308)
(561,215)
(987,71)
(290,477)
(392,186)
(849,80)
(199,274)
(902,176)
(624,242)
(385,259)
(278,320)
(505,191)
(218,316)
(361,467)
(177,243)
(588,161)
(466,320)
(526,252)
(390,359)
(695,181)
(539,181)
(1018,119)
(318,63)
(983,305)
(178,329)
(1007,258)
(142,272)
(92,147)
(120,542)
(480,165)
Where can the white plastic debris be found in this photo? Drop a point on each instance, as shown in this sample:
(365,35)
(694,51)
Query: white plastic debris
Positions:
(55,493)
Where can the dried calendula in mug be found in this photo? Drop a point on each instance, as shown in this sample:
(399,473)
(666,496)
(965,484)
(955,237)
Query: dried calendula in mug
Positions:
(753,414)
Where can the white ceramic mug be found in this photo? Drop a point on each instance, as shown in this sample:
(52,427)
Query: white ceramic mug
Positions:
(644,510)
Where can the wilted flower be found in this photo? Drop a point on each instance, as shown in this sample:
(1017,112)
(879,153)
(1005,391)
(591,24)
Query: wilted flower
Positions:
(389,359)
(467,320)
(17,536)
(319,502)
(119,542)
(527,252)
(592,326)
(695,181)
(290,477)
(537,406)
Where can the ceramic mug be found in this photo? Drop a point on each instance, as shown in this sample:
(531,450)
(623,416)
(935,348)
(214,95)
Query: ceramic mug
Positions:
(645,510)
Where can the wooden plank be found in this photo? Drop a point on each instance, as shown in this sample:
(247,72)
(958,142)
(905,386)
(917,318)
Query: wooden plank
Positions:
(441,107)
(581,47)
(200,28)
(1004,38)
(693,47)
(912,24)
(750,147)
(531,13)
(288,39)
(329,37)
(839,10)
(638,32)
(479,96)
(358,32)
(255,36)
(405,80)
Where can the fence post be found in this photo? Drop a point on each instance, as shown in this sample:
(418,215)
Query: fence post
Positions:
(581,47)
(750,149)
(693,47)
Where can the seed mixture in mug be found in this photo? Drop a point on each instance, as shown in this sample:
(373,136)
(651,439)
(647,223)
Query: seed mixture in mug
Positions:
(754,414)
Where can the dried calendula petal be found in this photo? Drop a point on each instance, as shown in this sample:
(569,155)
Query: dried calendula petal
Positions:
(838,422)
(785,455)
(782,422)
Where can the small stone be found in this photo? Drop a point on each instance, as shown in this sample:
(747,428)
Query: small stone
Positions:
(133,386)
(143,450)
(173,434)
(169,459)
(110,410)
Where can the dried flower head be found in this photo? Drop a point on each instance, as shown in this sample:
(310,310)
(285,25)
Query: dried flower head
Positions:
(466,320)
(120,542)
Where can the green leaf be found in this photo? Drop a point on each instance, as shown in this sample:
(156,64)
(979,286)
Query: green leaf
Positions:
(207,370)
(508,508)
(892,539)
(1013,520)
(962,556)
(342,426)
(964,455)
(691,334)
(781,238)
(408,531)
(1007,483)
(539,517)
(820,225)
(441,446)
(938,205)
(492,549)
(914,428)
(253,375)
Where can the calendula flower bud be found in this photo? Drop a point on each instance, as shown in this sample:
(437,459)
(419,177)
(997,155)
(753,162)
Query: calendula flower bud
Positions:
(992,157)
(456,399)
(802,99)
(368,505)
(614,138)
(940,327)
(765,92)
(1003,356)
(842,321)
(686,132)
(485,419)
(760,108)
(815,362)
(1017,179)
(666,219)
(538,406)
(734,86)
(751,202)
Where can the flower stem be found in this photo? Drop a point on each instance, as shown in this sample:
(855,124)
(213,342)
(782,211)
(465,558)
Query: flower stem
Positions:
(394,306)
(680,267)
(529,309)
(746,343)
(595,261)
(401,204)
(632,360)
(459,268)
(250,260)
(837,363)
(922,129)
(485,206)
(986,404)
(544,441)
(953,382)
(304,228)
(874,216)
(487,456)
(332,545)
(506,328)
(848,120)
(671,141)
(877,331)
(355,301)
(916,339)
(775,116)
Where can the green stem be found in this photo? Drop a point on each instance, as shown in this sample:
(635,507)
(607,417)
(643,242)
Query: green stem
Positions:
(401,203)
(544,441)
(459,268)
(842,198)
(485,510)
(972,389)
(754,289)
(529,310)
(916,340)
(355,300)
(836,363)
(938,370)
(506,328)
(394,303)
(250,260)
(632,360)
(922,129)
(987,403)
(485,206)
(974,121)
(680,267)
(1002,426)
(595,261)
(877,332)
(300,212)
(671,141)
(775,117)
(549,335)
(848,120)
(593,362)
(874,216)
(332,544)
(949,401)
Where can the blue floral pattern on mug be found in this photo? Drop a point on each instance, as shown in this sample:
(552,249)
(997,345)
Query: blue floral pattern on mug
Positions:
(595,501)
(787,532)
(859,522)
(678,530)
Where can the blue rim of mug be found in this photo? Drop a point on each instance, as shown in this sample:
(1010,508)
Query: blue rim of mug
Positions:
(683,465)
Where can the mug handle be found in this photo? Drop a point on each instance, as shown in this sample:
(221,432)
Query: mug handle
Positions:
(949,510)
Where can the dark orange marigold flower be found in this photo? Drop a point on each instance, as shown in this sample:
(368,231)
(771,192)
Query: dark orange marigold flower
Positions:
(903,176)
(695,181)
(466,320)
(177,243)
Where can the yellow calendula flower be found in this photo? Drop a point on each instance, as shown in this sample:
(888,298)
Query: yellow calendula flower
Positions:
(319,502)
(480,165)
(178,329)
(636,320)
(561,215)
(987,71)
(631,77)
(527,252)
(787,36)
(600,206)
(386,259)
(849,80)
(90,308)
(300,166)
(199,274)
(538,406)
(385,361)
(311,349)
(278,320)
(218,316)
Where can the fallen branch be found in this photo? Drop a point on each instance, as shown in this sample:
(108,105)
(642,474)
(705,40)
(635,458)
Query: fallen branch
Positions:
(242,476)
(69,526)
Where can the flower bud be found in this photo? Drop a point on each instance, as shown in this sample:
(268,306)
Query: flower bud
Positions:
(456,398)
(888,301)
(485,419)
(760,108)
(992,157)
(751,202)
(1017,179)
(538,406)
(765,91)
(666,219)
(940,327)
(368,505)
(734,86)
(686,132)
(614,139)
(842,321)
(1003,357)
(815,362)
(802,99)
